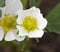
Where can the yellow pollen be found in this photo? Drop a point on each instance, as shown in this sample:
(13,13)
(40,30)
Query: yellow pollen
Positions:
(29,23)
(8,22)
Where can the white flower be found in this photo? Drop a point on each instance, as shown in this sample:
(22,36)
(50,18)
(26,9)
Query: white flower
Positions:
(8,29)
(31,23)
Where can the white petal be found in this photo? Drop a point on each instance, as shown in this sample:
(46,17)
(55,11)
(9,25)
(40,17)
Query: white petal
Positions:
(18,38)
(35,12)
(19,20)
(28,12)
(36,34)
(10,36)
(42,23)
(1,33)
(12,6)
(22,32)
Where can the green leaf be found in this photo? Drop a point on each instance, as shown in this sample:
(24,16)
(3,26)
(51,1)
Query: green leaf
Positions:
(32,3)
(54,20)
(24,2)
(0,12)
(2,3)
(35,3)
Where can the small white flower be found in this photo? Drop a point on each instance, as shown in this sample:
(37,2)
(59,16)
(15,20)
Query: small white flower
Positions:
(8,29)
(31,23)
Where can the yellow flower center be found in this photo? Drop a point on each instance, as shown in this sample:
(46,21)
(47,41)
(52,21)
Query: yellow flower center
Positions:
(8,22)
(29,23)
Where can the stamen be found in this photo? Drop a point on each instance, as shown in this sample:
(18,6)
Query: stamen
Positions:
(29,23)
(8,22)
